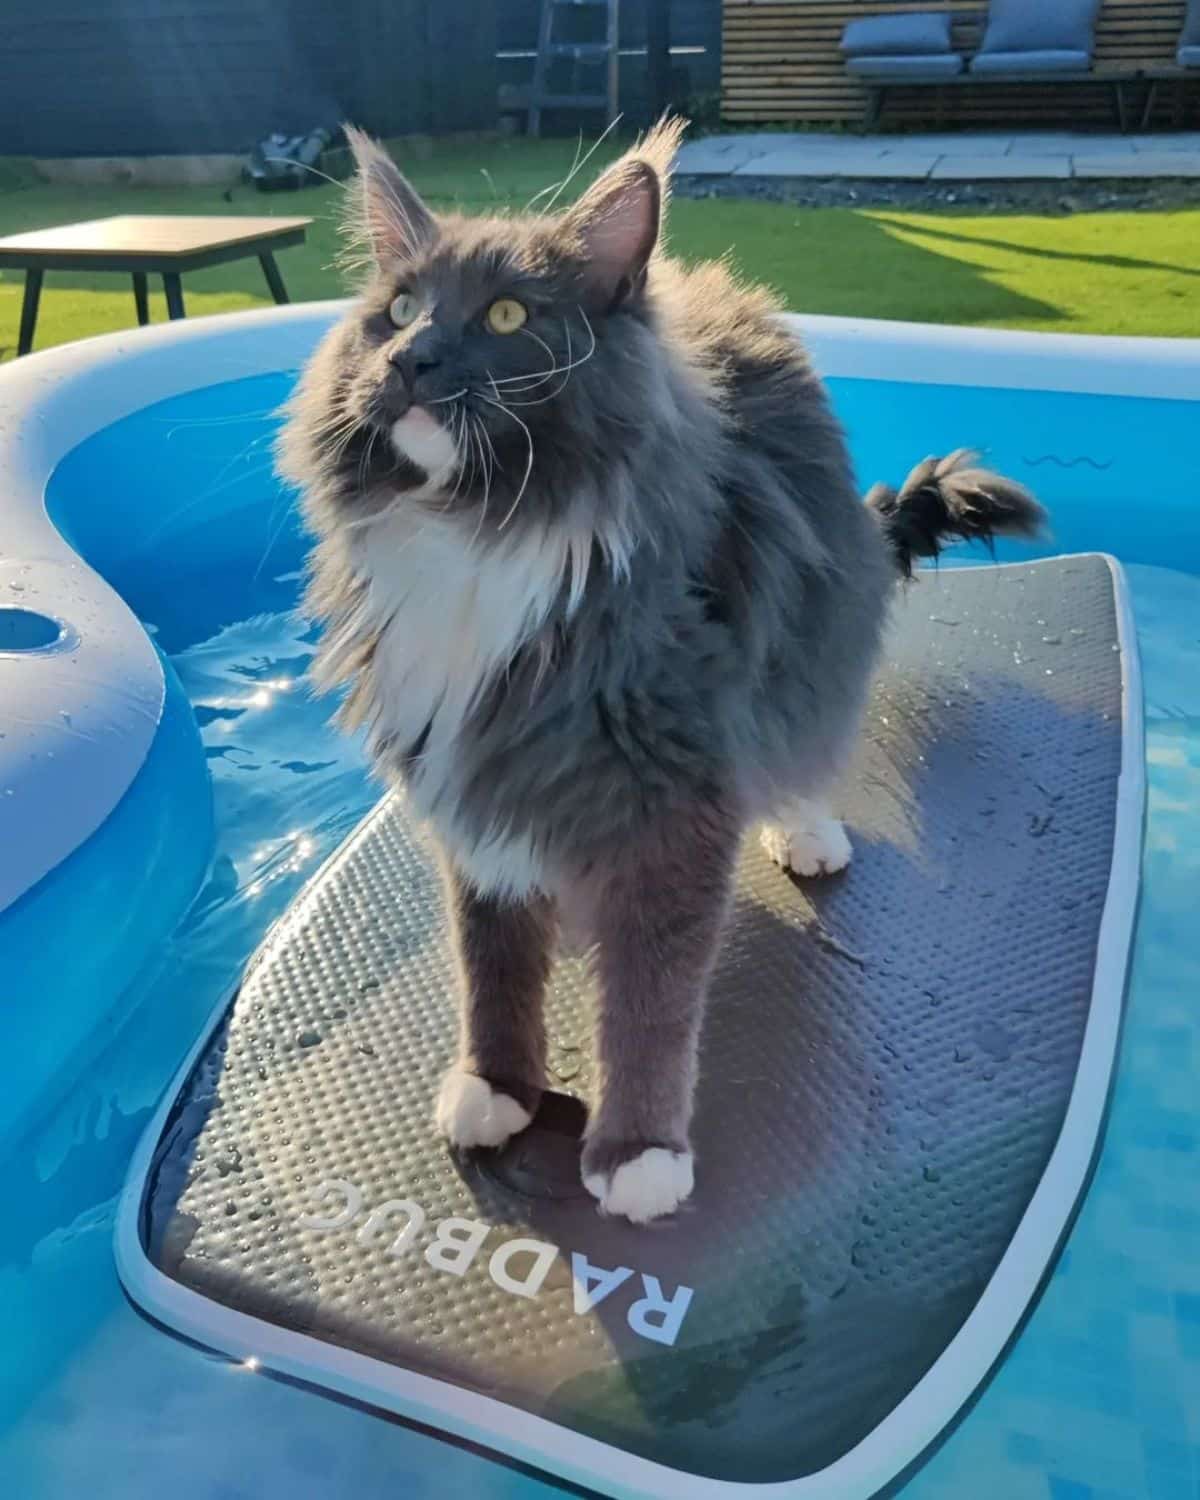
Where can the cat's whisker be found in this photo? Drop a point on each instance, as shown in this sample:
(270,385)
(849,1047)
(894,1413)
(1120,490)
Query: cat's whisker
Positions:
(290,161)
(512,510)
(459,433)
(341,441)
(442,400)
(532,381)
(537,338)
(364,462)
(476,458)
(538,377)
(478,433)
(578,166)
(486,437)
(557,187)
(566,373)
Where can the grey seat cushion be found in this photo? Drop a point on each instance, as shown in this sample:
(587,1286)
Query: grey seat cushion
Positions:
(896,69)
(1040,26)
(914,35)
(1061,60)
(1188,57)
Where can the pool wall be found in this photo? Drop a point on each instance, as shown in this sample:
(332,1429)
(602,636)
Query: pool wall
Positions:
(1094,1399)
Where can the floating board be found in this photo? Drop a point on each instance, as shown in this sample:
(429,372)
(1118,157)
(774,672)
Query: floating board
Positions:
(903,1084)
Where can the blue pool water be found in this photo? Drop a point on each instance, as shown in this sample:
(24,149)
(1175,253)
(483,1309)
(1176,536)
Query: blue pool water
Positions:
(1099,1400)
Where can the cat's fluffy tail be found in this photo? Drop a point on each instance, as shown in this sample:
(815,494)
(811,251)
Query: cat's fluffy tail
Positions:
(950,497)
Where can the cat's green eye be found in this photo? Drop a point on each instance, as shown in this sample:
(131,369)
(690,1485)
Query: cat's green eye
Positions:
(403,309)
(505,315)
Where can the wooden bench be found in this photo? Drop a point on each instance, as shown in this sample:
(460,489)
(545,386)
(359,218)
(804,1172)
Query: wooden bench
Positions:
(1170,73)
(141,245)
(782,63)
(1118,79)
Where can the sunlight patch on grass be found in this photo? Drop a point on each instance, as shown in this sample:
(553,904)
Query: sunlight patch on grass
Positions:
(1085,273)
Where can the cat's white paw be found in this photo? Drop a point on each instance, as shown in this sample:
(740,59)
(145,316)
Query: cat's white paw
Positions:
(814,844)
(470,1112)
(652,1184)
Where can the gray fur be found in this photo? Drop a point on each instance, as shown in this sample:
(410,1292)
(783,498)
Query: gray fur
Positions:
(503,951)
(712,663)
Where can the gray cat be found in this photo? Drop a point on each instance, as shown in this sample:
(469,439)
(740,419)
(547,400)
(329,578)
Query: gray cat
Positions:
(593,570)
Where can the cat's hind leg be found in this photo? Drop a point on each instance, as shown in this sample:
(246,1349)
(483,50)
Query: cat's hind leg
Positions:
(503,950)
(806,838)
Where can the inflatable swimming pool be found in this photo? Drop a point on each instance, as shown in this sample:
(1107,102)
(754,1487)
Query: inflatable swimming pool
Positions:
(167,787)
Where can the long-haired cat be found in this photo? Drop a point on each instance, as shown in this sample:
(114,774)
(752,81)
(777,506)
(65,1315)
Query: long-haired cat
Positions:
(593,570)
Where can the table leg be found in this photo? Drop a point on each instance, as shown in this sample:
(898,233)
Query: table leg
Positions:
(174,291)
(141,299)
(274,279)
(29,310)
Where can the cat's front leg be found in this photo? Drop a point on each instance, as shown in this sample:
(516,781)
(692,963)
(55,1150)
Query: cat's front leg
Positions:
(807,839)
(658,923)
(503,951)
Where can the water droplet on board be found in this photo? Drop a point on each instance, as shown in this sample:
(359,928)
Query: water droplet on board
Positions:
(931,1174)
(1052,640)
(994,1040)
(309,1039)
(64,716)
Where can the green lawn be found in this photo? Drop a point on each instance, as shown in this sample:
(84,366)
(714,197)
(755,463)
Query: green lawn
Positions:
(1088,273)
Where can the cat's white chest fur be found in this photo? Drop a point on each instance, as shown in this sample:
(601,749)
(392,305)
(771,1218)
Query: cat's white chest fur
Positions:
(448,614)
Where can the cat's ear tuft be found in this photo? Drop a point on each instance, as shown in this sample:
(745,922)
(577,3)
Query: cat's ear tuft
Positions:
(387,210)
(618,220)
(660,145)
(615,228)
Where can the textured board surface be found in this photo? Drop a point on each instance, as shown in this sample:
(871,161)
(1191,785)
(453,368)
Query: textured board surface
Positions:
(886,1066)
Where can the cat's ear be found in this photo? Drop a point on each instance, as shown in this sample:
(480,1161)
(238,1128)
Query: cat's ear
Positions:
(615,228)
(617,221)
(390,212)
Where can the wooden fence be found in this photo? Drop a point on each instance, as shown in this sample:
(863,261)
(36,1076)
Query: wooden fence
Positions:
(133,77)
(780,62)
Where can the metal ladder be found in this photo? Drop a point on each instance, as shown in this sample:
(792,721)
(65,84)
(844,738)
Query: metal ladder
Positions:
(592,54)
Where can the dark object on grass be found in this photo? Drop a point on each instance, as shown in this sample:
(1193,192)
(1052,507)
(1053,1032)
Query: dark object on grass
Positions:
(286,162)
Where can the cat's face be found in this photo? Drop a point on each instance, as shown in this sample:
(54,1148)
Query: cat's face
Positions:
(482,346)
(466,336)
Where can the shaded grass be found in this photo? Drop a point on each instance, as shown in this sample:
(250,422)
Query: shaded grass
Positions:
(1088,273)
